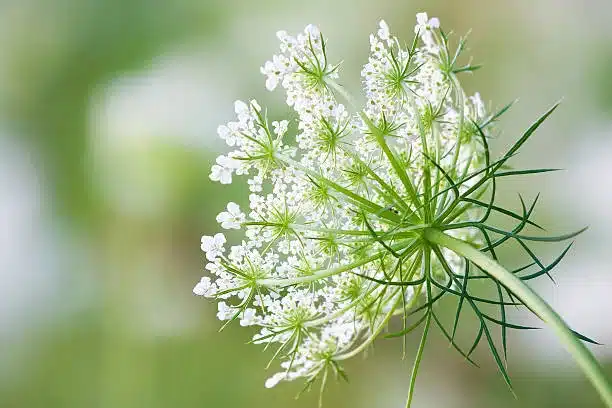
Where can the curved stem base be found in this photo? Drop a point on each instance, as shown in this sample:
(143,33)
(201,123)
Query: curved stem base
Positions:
(582,355)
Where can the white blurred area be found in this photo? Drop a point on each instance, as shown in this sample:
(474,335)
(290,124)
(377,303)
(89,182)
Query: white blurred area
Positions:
(25,244)
(173,101)
(173,104)
(583,192)
(37,287)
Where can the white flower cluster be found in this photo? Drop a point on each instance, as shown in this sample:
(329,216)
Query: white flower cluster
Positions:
(334,217)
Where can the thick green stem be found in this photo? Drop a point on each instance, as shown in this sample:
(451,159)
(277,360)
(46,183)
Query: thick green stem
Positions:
(583,356)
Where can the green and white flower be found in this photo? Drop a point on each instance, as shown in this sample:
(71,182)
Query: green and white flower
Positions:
(363,214)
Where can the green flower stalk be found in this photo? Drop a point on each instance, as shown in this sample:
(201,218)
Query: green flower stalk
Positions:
(368,214)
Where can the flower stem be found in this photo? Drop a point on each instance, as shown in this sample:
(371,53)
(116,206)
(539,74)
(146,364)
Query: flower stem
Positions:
(419,356)
(583,356)
(417,360)
(322,274)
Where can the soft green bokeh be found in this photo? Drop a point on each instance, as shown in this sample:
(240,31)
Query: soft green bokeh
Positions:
(108,116)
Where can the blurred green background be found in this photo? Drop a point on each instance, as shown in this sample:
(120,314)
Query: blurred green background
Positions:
(108,116)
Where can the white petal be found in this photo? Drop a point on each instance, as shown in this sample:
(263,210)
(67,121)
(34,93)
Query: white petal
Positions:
(271,83)
(223,217)
(241,107)
(207,242)
(225,177)
(275,379)
(421,18)
(223,131)
(233,208)
(383,32)
(219,239)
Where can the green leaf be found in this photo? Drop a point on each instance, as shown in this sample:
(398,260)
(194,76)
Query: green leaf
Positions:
(467,68)
(487,333)
(558,238)
(547,269)
(489,207)
(508,325)
(517,145)
(524,172)
(585,338)
(496,115)
(407,329)
(466,275)
(501,210)
(474,298)
(377,239)
(477,340)
(446,176)
(503,319)
(452,341)
(417,360)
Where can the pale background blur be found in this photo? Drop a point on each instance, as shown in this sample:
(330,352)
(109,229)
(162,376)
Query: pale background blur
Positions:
(108,117)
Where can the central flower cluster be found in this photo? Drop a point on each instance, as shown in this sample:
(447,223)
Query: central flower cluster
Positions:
(333,236)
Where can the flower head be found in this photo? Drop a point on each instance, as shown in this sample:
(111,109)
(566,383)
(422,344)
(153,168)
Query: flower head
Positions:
(340,235)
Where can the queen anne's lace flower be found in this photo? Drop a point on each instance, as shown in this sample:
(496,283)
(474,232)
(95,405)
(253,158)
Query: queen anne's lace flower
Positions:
(307,273)
(334,242)
(232,218)
(213,246)
(315,245)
